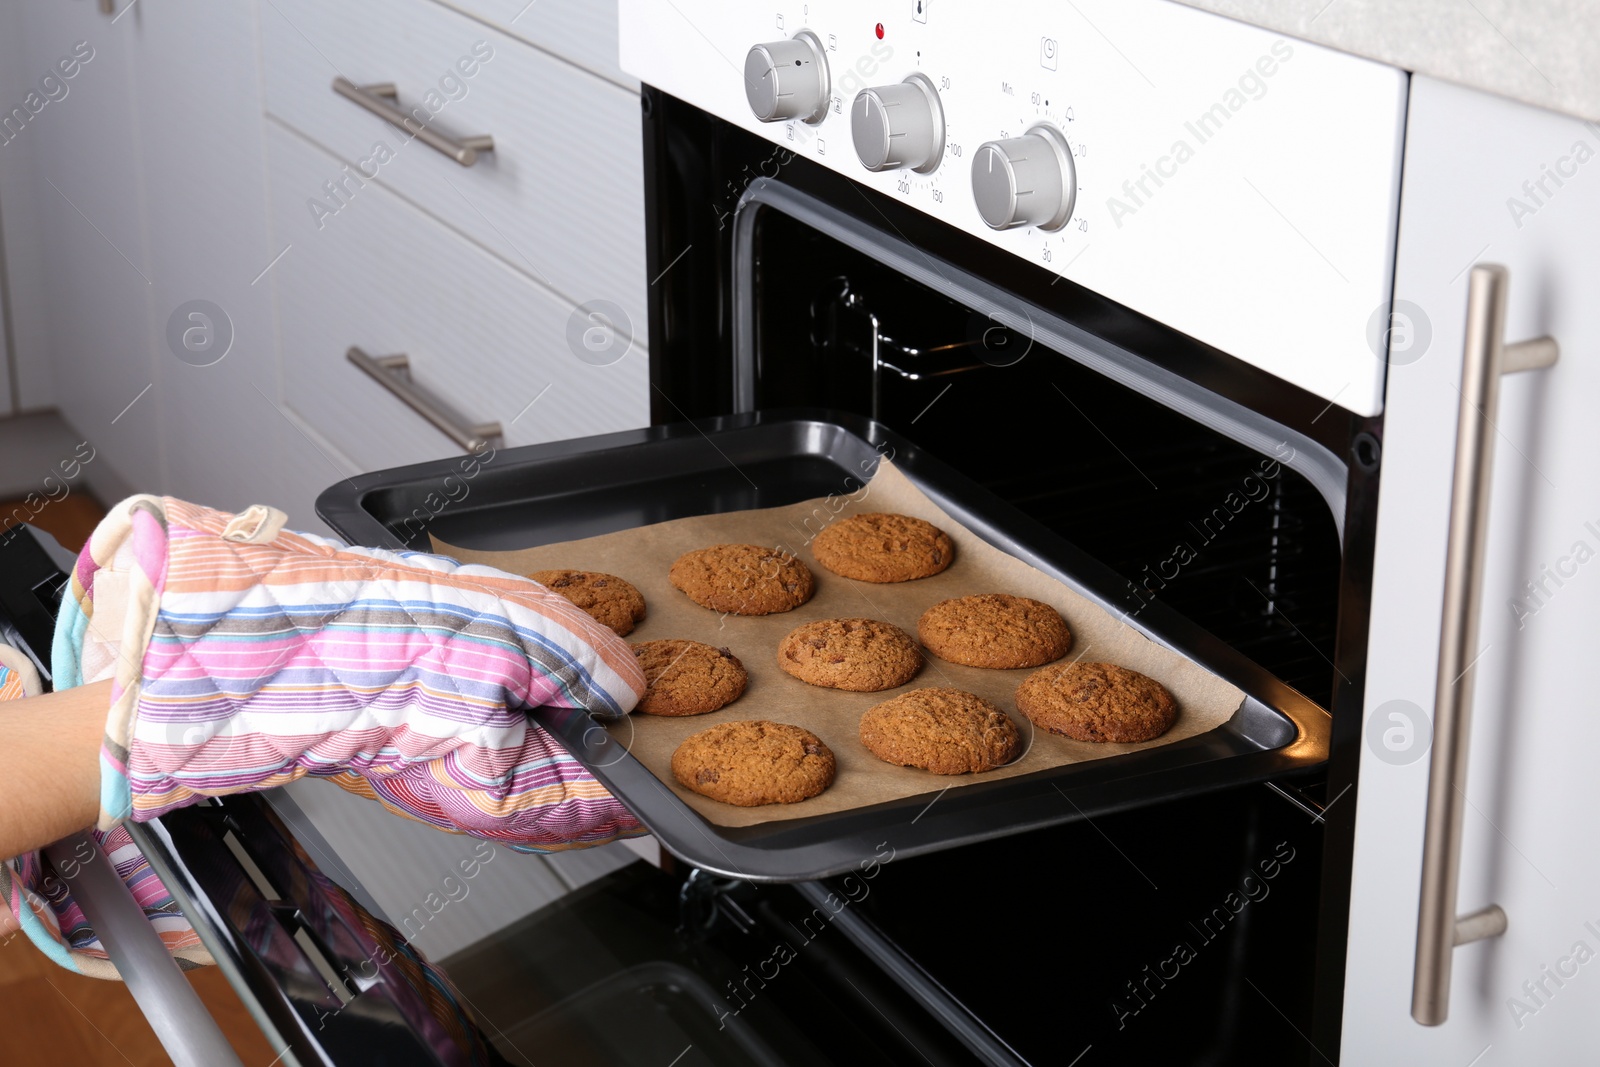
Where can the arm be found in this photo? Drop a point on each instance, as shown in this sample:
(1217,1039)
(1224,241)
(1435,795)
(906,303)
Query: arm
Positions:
(50,766)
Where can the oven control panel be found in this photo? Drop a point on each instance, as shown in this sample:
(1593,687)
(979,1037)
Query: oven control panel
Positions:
(1233,183)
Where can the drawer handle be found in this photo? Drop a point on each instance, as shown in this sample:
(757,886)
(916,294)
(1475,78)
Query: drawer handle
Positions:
(381,100)
(1486,357)
(394,374)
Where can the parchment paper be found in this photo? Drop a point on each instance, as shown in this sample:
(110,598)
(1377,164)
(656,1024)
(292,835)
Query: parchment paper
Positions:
(644,555)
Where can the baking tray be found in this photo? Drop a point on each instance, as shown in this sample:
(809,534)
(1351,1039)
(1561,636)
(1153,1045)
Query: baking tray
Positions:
(562,491)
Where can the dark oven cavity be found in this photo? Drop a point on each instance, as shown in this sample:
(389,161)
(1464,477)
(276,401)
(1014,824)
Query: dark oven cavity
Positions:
(1228,535)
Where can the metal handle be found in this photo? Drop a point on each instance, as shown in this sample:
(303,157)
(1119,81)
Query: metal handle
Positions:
(170,1004)
(394,374)
(381,100)
(1486,357)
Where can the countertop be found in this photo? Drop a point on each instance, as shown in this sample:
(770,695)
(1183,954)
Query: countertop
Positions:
(1543,52)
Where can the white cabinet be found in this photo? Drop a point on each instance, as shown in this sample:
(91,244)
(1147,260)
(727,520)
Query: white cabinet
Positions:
(82,298)
(580,31)
(560,197)
(200,157)
(147,233)
(483,337)
(1487,180)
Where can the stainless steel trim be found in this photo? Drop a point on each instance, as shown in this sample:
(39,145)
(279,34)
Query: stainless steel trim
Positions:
(1324,470)
(394,374)
(1485,359)
(170,1004)
(380,99)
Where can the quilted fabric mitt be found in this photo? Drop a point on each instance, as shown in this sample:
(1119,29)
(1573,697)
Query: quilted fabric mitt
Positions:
(245,656)
(43,904)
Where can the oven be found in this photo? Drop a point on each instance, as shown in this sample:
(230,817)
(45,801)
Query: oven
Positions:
(1065,288)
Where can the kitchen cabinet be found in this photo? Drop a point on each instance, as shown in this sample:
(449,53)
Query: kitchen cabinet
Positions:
(581,32)
(1488,181)
(147,272)
(484,338)
(559,198)
(226,441)
(147,201)
(82,297)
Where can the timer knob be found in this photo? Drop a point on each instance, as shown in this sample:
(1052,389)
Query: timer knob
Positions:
(788,79)
(1025,181)
(899,126)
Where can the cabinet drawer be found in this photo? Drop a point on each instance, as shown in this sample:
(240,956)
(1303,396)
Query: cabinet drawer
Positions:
(560,196)
(580,31)
(481,336)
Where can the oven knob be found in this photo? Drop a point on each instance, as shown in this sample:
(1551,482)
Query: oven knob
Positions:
(1025,181)
(788,79)
(899,126)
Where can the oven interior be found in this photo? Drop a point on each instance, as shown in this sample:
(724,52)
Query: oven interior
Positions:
(1240,544)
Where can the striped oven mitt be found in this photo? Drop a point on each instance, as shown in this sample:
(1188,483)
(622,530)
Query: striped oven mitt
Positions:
(245,656)
(42,905)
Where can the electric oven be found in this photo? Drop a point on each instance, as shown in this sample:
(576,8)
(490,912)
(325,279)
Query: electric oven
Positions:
(1082,296)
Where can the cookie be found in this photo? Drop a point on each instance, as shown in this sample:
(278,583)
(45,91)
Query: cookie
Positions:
(608,599)
(743,579)
(687,677)
(945,731)
(883,548)
(994,630)
(754,762)
(1097,702)
(861,655)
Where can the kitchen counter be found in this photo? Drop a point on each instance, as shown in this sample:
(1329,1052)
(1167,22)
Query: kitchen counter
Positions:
(1543,52)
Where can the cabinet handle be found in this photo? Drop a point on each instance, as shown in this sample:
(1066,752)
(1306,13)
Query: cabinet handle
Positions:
(381,100)
(394,374)
(1485,358)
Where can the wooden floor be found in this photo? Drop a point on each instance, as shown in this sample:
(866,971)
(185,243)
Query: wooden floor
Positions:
(51,1016)
(69,520)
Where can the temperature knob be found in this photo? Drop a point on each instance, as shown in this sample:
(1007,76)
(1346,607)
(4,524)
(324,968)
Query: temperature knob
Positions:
(788,79)
(1025,181)
(899,126)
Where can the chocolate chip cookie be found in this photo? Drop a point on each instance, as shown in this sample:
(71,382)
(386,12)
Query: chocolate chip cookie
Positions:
(994,630)
(743,579)
(754,762)
(945,731)
(1097,702)
(879,547)
(608,599)
(861,655)
(687,677)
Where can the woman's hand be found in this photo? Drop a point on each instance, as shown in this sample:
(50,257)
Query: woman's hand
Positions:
(244,656)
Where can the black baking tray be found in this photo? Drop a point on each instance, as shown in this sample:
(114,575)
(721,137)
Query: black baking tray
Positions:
(541,494)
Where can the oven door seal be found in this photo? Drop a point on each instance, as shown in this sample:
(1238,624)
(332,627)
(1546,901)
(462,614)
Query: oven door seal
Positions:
(1324,470)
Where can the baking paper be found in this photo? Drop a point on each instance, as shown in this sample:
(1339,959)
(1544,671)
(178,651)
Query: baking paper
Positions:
(643,556)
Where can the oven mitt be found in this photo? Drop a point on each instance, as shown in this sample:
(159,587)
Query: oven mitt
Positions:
(42,904)
(245,656)
(45,910)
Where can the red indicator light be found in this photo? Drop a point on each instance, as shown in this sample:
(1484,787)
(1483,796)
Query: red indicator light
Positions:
(880,31)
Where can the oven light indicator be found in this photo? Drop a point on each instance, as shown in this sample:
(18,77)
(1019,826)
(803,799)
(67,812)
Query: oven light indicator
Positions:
(879,31)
